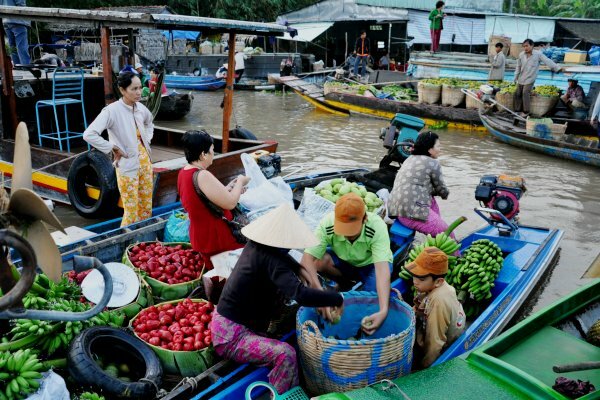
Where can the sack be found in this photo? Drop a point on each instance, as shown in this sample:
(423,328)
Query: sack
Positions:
(239,217)
(177,228)
(313,208)
(594,53)
(53,387)
(260,192)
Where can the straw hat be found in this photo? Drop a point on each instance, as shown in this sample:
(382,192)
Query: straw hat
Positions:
(126,285)
(281,228)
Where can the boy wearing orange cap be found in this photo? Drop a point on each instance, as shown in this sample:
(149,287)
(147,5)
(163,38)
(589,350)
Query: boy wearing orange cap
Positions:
(440,316)
(354,244)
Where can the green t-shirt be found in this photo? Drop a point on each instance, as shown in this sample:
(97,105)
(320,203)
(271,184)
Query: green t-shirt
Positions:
(373,244)
(436,23)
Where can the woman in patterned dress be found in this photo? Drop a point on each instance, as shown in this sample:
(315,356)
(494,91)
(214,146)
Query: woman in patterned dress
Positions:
(417,183)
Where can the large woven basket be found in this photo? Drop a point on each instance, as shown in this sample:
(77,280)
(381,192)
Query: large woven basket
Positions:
(429,93)
(470,102)
(339,365)
(507,100)
(452,96)
(542,105)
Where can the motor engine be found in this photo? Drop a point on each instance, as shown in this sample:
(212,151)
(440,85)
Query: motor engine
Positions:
(501,193)
(399,138)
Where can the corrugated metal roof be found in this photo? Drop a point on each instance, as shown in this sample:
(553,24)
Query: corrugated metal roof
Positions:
(451,5)
(590,32)
(416,4)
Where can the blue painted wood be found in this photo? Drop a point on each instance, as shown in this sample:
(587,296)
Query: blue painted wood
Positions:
(194,82)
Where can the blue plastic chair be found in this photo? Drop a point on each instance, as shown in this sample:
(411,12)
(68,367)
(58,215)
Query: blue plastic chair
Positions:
(67,88)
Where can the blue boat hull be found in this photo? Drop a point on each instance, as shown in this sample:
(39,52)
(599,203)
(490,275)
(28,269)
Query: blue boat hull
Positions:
(194,82)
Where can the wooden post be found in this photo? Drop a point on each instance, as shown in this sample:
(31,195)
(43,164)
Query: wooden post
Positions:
(7,85)
(131,47)
(228,100)
(107,71)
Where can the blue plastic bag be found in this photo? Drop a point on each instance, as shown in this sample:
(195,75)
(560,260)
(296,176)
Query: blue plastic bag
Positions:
(594,55)
(177,228)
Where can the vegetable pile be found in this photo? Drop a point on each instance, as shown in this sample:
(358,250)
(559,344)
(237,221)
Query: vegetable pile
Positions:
(19,374)
(168,264)
(546,91)
(335,188)
(179,327)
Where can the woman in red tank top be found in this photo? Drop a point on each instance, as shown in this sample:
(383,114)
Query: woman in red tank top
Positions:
(209,234)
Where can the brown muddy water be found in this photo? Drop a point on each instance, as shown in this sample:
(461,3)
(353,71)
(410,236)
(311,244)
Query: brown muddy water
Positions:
(561,194)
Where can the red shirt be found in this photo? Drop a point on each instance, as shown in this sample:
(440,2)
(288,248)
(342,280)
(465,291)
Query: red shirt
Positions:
(209,234)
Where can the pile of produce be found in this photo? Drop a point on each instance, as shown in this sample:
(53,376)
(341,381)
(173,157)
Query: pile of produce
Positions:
(546,91)
(90,396)
(474,275)
(121,371)
(508,87)
(183,326)
(398,92)
(334,189)
(19,374)
(167,264)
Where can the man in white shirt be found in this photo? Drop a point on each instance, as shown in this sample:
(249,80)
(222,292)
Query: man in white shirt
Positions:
(498,64)
(240,56)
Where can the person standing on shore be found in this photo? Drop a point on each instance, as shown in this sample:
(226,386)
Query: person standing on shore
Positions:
(16,33)
(437,24)
(528,65)
(498,64)
(362,49)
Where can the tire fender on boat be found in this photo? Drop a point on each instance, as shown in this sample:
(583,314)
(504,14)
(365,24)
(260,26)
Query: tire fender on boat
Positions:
(112,341)
(93,168)
(242,133)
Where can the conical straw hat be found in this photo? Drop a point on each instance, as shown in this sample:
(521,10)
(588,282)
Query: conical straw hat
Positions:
(281,228)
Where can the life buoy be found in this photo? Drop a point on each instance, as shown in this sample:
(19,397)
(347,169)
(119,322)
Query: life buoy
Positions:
(242,133)
(95,169)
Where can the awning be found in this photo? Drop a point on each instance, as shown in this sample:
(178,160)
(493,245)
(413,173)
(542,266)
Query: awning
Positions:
(587,31)
(188,35)
(457,30)
(520,28)
(308,32)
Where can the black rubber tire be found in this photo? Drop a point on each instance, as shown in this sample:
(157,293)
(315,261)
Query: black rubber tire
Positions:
(96,168)
(82,367)
(242,133)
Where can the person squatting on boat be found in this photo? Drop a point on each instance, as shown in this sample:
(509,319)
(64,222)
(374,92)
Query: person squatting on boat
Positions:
(265,273)
(498,64)
(440,316)
(130,130)
(207,201)
(353,244)
(574,96)
(528,66)
(417,183)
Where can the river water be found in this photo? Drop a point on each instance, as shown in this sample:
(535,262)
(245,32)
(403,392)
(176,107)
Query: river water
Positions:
(561,194)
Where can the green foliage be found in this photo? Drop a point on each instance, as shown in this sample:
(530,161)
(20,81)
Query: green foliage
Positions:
(559,8)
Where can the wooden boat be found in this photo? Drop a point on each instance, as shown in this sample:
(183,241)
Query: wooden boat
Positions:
(174,106)
(503,128)
(517,364)
(203,83)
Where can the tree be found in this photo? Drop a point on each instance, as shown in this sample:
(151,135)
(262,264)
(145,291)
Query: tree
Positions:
(576,9)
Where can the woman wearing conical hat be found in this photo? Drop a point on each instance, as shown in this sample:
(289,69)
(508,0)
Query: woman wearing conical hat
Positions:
(250,297)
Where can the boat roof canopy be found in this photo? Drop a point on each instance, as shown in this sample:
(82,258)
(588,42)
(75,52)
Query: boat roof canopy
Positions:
(106,18)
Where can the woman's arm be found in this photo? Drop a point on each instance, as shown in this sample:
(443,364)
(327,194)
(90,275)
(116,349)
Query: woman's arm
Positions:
(437,180)
(219,194)
(149,125)
(93,133)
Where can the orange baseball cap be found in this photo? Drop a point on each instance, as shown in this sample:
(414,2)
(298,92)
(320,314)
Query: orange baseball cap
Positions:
(430,261)
(350,211)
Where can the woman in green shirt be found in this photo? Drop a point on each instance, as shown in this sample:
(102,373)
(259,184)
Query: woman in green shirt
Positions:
(437,24)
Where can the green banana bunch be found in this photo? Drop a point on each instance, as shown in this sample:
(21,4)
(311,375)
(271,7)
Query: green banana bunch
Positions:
(19,374)
(443,242)
(26,327)
(90,396)
(33,301)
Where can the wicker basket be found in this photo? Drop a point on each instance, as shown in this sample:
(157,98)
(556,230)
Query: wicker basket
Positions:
(332,365)
(507,100)
(429,93)
(472,103)
(542,105)
(452,96)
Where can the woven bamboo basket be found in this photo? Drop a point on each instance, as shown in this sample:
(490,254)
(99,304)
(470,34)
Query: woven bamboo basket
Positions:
(339,365)
(452,96)
(507,100)
(183,363)
(542,105)
(429,93)
(470,102)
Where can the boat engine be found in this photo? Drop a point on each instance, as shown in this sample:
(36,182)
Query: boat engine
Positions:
(501,193)
(399,138)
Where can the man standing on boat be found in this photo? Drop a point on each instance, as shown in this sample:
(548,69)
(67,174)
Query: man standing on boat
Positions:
(362,49)
(528,65)
(437,24)
(240,66)
(16,32)
(498,64)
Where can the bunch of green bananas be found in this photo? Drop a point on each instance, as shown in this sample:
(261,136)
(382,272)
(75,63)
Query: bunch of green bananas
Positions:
(49,290)
(90,396)
(546,90)
(476,272)
(19,374)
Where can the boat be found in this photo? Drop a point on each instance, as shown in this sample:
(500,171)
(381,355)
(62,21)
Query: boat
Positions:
(509,130)
(174,106)
(519,364)
(203,83)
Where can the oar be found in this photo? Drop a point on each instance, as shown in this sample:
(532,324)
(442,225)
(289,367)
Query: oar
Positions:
(580,366)
(494,102)
(594,270)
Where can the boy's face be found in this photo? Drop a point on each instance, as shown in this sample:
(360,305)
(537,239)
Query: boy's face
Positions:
(426,284)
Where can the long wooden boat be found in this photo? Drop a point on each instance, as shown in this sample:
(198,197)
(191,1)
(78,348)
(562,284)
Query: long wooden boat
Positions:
(174,106)
(516,365)
(504,129)
(203,83)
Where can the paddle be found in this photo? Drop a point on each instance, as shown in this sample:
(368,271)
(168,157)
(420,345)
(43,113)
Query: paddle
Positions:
(594,270)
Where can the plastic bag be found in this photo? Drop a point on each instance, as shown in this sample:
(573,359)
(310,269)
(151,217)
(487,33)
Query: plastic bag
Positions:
(53,387)
(262,193)
(177,228)
(313,208)
(223,264)
(594,53)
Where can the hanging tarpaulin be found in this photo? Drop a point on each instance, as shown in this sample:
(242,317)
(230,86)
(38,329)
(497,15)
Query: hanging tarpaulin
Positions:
(457,30)
(308,32)
(520,28)
(181,35)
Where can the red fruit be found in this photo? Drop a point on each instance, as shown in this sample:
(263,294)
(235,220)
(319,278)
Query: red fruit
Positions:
(155,341)
(174,328)
(178,337)
(165,335)
(145,336)
(167,306)
(184,322)
(177,347)
(205,318)
(207,332)
(187,330)
(152,324)
(188,347)
(198,345)
(166,320)
(141,328)
(207,340)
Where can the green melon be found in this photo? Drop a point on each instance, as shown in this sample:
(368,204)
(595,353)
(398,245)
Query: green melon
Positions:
(593,335)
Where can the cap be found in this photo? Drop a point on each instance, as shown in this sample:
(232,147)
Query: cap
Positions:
(138,65)
(350,211)
(572,80)
(430,261)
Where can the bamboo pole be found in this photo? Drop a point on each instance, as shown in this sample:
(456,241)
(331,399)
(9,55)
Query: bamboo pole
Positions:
(228,100)
(107,71)
(7,85)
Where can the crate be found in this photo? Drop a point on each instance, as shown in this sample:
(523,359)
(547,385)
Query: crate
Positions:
(515,50)
(575,57)
(498,39)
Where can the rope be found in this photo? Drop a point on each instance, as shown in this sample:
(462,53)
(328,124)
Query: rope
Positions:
(390,385)
(158,390)
(192,382)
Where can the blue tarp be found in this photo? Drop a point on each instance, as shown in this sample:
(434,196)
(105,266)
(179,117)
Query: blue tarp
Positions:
(181,35)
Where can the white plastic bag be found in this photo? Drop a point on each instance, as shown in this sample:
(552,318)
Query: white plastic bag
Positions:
(53,387)
(313,208)
(262,193)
